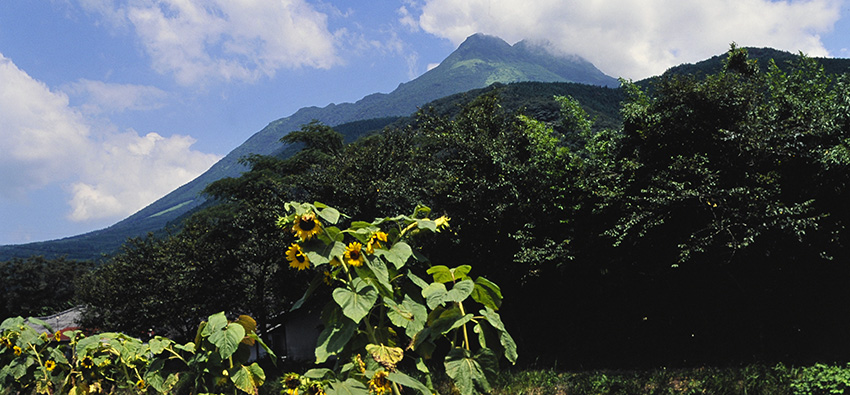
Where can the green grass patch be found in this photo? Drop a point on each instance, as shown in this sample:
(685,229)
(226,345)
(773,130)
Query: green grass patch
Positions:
(749,380)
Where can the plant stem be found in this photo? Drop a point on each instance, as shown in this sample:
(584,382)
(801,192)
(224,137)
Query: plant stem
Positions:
(465,334)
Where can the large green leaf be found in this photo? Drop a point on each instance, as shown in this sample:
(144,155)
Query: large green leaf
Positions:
(320,253)
(329,214)
(409,315)
(460,291)
(248,378)
(398,254)
(469,372)
(227,339)
(435,295)
(505,338)
(410,382)
(487,293)
(381,273)
(334,338)
(447,321)
(215,323)
(356,304)
(442,274)
(347,387)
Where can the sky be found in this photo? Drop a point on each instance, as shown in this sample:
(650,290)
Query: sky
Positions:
(108,105)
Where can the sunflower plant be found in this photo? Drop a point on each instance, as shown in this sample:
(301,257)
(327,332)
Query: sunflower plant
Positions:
(72,363)
(391,311)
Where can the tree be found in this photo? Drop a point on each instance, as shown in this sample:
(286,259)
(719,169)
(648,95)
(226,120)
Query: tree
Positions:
(37,286)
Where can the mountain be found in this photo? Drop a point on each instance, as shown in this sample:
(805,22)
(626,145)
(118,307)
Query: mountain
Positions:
(478,62)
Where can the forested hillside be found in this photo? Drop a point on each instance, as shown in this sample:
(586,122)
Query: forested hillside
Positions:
(707,226)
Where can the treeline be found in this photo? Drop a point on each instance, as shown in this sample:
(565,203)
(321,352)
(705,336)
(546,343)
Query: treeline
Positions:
(709,227)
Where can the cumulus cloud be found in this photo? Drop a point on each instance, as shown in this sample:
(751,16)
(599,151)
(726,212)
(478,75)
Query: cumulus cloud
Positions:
(636,39)
(199,40)
(45,141)
(99,97)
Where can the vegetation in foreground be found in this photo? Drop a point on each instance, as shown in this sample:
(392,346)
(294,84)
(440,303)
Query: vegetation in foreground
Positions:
(756,379)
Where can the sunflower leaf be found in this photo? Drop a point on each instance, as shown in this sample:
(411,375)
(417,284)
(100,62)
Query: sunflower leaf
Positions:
(410,382)
(507,342)
(469,372)
(487,293)
(356,304)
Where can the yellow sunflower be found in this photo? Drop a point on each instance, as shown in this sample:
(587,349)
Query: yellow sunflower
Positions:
(296,257)
(49,365)
(17,350)
(141,384)
(379,384)
(57,336)
(87,363)
(375,241)
(291,382)
(353,255)
(306,226)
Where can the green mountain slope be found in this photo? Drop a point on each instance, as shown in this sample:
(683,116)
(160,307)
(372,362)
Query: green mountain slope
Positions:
(478,62)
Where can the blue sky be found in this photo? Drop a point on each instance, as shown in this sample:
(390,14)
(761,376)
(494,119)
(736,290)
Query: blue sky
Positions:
(105,106)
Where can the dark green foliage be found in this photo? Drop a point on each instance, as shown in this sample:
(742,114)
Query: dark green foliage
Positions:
(37,286)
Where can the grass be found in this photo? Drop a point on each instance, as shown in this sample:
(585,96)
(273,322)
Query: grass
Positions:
(748,380)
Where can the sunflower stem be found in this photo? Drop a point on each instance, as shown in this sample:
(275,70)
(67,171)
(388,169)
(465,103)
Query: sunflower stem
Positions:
(465,334)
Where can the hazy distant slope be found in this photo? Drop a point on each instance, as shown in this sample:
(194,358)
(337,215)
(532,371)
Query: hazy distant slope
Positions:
(478,62)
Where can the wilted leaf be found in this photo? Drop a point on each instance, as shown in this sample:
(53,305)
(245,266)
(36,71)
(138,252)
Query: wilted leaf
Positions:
(388,357)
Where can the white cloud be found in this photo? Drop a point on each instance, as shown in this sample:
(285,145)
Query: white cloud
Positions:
(636,39)
(99,97)
(244,40)
(45,142)
(131,171)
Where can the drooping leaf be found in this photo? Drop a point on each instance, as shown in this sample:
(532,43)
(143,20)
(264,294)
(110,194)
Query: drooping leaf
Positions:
(248,378)
(410,382)
(40,323)
(487,293)
(334,338)
(505,339)
(329,214)
(469,372)
(387,356)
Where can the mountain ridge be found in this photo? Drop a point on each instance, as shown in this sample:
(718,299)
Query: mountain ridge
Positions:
(478,62)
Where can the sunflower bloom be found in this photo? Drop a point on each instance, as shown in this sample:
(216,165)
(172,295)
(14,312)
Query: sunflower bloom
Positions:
(49,365)
(316,389)
(306,226)
(291,382)
(141,384)
(335,262)
(379,384)
(17,350)
(375,241)
(353,255)
(87,363)
(296,257)
(57,336)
